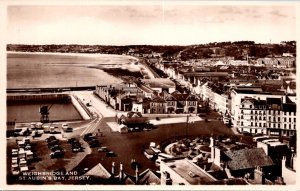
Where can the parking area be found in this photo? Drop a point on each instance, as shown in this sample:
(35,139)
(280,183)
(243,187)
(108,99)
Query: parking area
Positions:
(131,146)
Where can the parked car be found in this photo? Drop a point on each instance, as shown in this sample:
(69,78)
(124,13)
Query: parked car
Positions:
(111,154)
(94,143)
(71,140)
(88,137)
(103,149)
(52,143)
(77,149)
(68,129)
(50,138)
(57,154)
(15,169)
(55,148)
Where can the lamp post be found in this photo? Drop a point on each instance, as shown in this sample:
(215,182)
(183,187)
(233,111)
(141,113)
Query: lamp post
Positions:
(187,125)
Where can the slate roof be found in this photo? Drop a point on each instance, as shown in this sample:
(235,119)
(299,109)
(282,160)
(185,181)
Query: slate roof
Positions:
(148,177)
(248,158)
(98,171)
(276,101)
(289,107)
(179,96)
(158,100)
(134,114)
(159,83)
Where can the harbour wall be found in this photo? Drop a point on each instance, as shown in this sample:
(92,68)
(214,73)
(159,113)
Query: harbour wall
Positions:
(49,97)
(83,111)
(58,97)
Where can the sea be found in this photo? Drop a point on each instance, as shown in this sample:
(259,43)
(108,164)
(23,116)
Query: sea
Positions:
(38,70)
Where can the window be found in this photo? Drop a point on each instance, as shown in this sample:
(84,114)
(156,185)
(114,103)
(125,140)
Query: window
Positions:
(242,123)
(250,106)
(278,119)
(278,125)
(255,124)
(269,118)
(259,124)
(295,120)
(290,126)
(290,120)
(285,119)
(255,112)
(274,125)
(269,111)
(242,117)
(251,123)
(251,117)
(259,117)
(264,118)
(243,106)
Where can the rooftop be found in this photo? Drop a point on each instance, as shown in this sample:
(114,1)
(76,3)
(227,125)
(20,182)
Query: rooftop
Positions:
(248,158)
(159,83)
(190,172)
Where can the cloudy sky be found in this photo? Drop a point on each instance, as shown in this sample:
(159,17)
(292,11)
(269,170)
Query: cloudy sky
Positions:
(165,24)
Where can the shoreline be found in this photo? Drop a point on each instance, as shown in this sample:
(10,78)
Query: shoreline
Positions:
(72,54)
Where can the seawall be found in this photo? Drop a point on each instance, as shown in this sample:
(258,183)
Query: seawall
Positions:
(49,97)
(85,114)
(58,97)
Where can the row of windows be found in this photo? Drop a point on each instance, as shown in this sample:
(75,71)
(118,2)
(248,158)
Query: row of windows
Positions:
(269,112)
(270,125)
(270,118)
(157,104)
(257,107)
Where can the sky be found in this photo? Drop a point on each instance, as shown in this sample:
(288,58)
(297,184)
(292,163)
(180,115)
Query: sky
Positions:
(159,24)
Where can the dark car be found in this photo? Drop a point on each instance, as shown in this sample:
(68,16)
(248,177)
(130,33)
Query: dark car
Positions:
(53,142)
(55,148)
(94,143)
(71,140)
(57,154)
(110,154)
(77,149)
(87,136)
(103,149)
(51,138)
(69,129)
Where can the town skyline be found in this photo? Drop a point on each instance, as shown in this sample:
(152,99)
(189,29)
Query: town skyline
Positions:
(164,24)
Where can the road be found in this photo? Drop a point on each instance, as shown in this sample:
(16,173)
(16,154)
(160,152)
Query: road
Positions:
(98,108)
(152,74)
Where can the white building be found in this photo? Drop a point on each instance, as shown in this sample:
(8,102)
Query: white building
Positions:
(263,113)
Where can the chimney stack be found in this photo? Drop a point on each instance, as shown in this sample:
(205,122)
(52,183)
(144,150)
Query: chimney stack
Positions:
(212,148)
(259,176)
(136,174)
(121,172)
(113,169)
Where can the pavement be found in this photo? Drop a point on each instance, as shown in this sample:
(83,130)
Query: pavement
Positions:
(175,120)
(98,109)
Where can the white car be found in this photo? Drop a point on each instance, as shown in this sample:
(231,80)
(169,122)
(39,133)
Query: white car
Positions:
(15,169)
